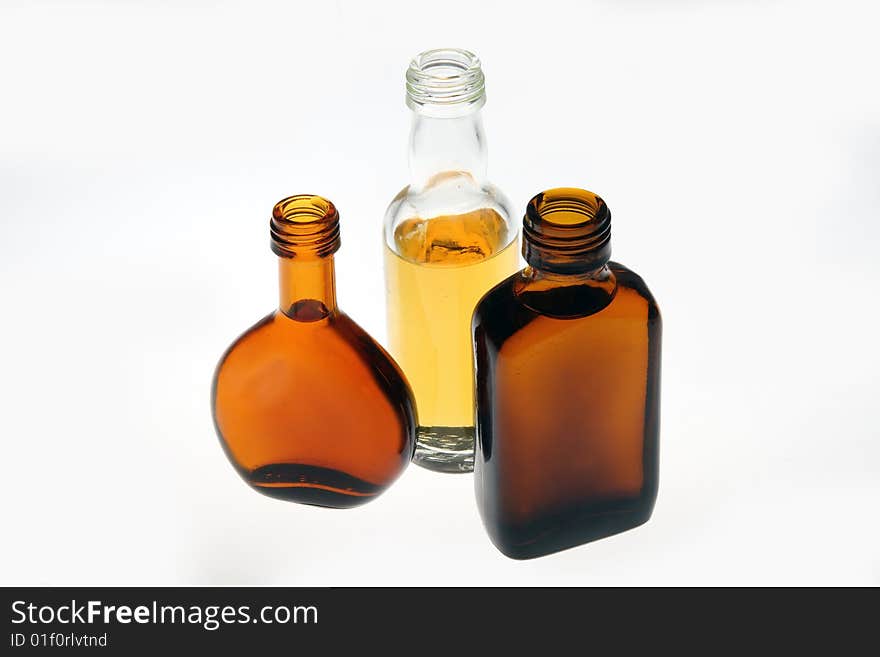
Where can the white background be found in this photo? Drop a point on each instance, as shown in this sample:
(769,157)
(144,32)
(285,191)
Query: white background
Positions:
(143,144)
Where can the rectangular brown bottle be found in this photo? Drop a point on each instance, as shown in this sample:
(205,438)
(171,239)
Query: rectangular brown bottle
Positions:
(567,356)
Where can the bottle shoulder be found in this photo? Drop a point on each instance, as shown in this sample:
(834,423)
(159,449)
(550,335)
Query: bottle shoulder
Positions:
(332,347)
(634,284)
(445,197)
(515,303)
(454,221)
(454,192)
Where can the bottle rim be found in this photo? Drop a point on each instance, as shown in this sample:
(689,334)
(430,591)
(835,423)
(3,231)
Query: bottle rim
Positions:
(444,82)
(566,229)
(304,225)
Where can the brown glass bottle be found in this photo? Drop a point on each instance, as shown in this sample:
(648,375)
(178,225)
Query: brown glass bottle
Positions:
(567,355)
(308,407)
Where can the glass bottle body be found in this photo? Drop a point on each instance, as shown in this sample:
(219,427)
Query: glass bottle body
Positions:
(448,239)
(567,379)
(437,266)
(308,407)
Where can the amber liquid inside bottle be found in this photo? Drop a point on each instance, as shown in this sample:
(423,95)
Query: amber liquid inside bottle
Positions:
(439,271)
(308,407)
(568,380)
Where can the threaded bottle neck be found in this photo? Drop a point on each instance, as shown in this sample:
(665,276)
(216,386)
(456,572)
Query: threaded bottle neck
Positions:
(305,235)
(567,230)
(445,82)
(304,227)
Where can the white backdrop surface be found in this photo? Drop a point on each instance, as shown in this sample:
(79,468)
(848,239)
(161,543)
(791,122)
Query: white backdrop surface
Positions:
(142,146)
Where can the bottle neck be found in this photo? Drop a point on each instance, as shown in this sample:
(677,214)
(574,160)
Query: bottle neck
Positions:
(597,277)
(567,231)
(307,288)
(454,144)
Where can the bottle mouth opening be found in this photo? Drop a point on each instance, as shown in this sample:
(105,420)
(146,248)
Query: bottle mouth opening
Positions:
(565,229)
(303,209)
(443,80)
(566,207)
(304,225)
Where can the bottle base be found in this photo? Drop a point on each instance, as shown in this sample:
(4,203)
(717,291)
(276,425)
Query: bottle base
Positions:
(569,529)
(445,449)
(309,484)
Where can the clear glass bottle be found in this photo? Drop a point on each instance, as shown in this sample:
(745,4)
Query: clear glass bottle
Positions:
(448,239)
(568,386)
(308,407)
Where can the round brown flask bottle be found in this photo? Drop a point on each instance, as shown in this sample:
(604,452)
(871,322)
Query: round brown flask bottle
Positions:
(308,407)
